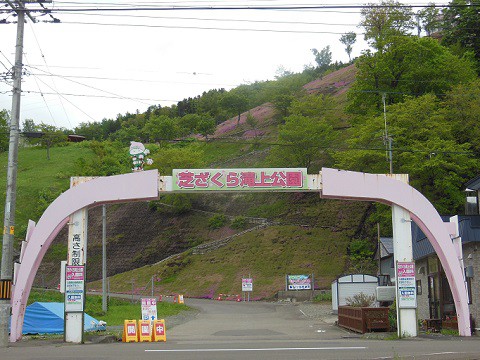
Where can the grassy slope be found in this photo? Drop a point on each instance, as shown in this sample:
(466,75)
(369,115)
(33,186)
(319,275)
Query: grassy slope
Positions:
(37,175)
(268,255)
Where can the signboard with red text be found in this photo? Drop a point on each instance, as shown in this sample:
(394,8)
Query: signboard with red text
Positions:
(407,295)
(285,179)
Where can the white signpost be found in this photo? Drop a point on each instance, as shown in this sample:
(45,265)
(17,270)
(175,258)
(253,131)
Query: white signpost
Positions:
(247,287)
(149,309)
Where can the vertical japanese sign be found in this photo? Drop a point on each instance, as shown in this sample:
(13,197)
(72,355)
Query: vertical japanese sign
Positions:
(406,287)
(247,284)
(240,179)
(74,288)
(149,309)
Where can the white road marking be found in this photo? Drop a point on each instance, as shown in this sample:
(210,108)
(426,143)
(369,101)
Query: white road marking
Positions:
(265,349)
(431,354)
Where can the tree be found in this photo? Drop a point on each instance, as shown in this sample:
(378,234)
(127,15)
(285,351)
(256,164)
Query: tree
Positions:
(282,103)
(170,158)
(4,130)
(348,40)
(160,128)
(462,110)
(188,124)
(461,27)
(252,122)
(323,58)
(411,66)
(303,140)
(206,127)
(235,102)
(384,22)
(51,136)
(110,159)
(29,126)
(428,19)
(425,148)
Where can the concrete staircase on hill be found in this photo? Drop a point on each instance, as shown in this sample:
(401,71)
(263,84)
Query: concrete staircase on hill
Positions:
(216,244)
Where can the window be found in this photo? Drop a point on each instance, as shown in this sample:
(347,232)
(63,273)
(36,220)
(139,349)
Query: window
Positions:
(419,287)
(469,290)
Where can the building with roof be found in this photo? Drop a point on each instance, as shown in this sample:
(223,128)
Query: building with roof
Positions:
(386,263)
(434,298)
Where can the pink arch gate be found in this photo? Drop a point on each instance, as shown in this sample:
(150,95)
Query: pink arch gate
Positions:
(147,185)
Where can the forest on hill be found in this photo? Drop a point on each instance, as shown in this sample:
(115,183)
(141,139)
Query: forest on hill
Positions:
(410,103)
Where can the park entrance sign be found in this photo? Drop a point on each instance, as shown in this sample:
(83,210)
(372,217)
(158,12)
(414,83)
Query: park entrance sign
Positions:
(406,202)
(240,180)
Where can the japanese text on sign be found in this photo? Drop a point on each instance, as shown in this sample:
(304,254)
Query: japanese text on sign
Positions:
(299,282)
(76,254)
(149,309)
(247,284)
(240,179)
(407,296)
(74,288)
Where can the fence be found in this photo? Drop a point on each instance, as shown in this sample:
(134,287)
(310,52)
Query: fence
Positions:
(363,319)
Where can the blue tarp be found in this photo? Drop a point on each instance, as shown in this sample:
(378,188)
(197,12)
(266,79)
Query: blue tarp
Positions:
(48,318)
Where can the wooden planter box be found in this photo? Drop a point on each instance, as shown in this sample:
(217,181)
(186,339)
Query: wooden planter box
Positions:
(363,319)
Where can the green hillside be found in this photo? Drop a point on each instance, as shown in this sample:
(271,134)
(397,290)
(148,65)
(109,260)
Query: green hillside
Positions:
(41,180)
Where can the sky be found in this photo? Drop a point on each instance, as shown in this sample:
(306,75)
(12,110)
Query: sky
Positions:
(96,64)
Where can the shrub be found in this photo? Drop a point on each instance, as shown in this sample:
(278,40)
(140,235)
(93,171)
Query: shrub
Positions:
(239,222)
(217,221)
(360,300)
(323,296)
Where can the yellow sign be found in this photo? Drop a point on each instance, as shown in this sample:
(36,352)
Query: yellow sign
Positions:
(130,331)
(159,330)
(145,330)
(12,230)
(5,289)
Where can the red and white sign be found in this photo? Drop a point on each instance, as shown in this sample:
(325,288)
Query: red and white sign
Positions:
(149,309)
(247,284)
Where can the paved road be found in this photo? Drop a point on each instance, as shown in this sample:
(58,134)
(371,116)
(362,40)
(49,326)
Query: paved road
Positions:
(229,330)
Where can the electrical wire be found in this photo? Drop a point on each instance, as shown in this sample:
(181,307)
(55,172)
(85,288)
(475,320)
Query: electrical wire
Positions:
(75,106)
(126,79)
(207,28)
(103,96)
(43,98)
(53,80)
(97,89)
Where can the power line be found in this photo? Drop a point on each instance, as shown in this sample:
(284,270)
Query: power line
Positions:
(95,88)
(356,148)
(124,79)
(99,96)
(207,28)
(44,100)
(257,8)
(75,106)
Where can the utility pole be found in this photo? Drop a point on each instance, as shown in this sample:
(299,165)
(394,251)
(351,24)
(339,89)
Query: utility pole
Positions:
(6,271)
(104,258)
(387,140)
(6,275)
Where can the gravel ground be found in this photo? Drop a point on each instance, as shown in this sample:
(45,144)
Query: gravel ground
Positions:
(318,311)
(183,317)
